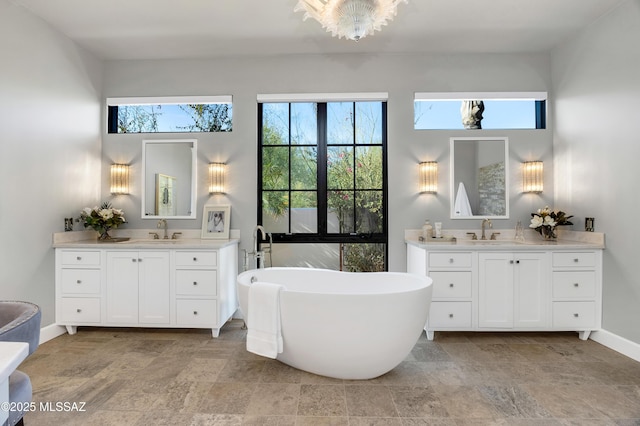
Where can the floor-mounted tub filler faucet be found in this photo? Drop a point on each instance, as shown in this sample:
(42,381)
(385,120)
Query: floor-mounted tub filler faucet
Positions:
(259,255)
(484,222)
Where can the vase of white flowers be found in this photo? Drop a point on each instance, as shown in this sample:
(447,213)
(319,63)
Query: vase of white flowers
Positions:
(102,219)
(546,220)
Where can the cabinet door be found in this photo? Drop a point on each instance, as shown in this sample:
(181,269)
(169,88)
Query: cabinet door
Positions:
(495,295)
(154,292)
(122,287)
(531,283)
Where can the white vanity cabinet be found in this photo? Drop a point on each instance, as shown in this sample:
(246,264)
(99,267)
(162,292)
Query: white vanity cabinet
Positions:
(525,287)
(119,285)
(79,286)
(577,291)
(138,287)
(196,276)
(453,288)
(512,290)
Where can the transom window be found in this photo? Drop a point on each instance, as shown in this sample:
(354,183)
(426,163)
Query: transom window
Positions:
(322,177)
(444,111)
(187,114)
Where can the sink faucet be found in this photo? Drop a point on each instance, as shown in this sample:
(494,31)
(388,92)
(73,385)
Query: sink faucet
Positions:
(484,222)
(256,253)
(162,224)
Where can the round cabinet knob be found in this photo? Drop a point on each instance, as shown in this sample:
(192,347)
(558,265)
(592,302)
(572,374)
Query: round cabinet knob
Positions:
(79,281)
(195,259)
(518,262)
(511,262)
(195,312)
(576,260)
(450,315)
(134,260)
(451,260)
(576,285)
(576,315)
(78,310)
(78,258)
(451,285)
(195,283)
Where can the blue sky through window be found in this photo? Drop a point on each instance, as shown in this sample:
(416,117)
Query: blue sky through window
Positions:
(498,114)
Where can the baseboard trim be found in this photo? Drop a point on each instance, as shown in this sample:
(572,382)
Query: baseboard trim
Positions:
(619,344)
(51,332)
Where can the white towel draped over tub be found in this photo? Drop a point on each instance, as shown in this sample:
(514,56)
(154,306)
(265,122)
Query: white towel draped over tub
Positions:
(263,320)
(462,206)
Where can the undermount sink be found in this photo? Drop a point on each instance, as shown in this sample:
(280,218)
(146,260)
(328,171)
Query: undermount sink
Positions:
(488,242)
(150,241)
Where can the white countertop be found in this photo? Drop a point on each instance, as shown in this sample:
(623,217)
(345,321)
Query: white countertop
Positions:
(140,239)
(456,240)
(11,355)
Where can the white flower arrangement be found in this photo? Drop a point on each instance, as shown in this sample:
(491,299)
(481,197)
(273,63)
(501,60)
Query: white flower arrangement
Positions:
(102,219)
(546,220)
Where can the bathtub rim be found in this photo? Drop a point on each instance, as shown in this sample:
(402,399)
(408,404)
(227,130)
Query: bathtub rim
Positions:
(425,280)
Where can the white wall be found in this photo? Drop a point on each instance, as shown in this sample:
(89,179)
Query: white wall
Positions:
(597,146)
(399,75)
(49,149)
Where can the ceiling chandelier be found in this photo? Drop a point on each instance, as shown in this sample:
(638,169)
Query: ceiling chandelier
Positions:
(351,19)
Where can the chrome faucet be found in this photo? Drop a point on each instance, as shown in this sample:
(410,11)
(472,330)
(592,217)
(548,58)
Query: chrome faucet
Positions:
(162,224)
(484,222)
(259,255)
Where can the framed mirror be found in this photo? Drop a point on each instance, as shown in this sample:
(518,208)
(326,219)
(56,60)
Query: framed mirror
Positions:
(479,177)
(169,179)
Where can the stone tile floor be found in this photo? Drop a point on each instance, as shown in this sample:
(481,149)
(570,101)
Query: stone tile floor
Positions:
(184,377)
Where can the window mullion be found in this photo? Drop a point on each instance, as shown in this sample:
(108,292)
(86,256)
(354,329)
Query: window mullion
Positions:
(289,176)
(353,167)
(322,169)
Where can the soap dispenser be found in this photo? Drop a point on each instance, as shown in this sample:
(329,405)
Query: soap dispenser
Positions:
(427,230)
(519,232)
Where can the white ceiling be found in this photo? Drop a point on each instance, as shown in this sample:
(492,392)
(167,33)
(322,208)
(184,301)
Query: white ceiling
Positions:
(160,29)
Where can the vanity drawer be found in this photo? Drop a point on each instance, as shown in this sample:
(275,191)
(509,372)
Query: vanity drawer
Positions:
(80,258)
(194,282)
(455,285)
(574,284)
(78,310)
(449,315)
(573,259)
(80,281)
(196,312)
(574,315)
(196,258)
(449,260)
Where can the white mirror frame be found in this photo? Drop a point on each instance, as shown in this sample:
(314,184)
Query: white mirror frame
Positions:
(452,182)
(194,151)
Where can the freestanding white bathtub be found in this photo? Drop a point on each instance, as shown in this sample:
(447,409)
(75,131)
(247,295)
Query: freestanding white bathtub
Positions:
(342,324)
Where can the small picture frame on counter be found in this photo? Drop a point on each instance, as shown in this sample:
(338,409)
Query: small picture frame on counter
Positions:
(216,220)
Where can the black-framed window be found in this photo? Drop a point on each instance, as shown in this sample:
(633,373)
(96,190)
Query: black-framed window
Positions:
(323,177)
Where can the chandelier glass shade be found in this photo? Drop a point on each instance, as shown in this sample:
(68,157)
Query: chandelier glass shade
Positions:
(351,19)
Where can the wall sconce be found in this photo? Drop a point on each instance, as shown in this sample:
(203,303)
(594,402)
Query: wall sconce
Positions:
(119,179)
(428,176)
(216,178)
(532,176)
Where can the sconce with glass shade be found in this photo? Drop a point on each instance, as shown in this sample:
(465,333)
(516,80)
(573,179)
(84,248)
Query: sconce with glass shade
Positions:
(217,173)
(351,19)
(119,179)
(532,176)
(428,177)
